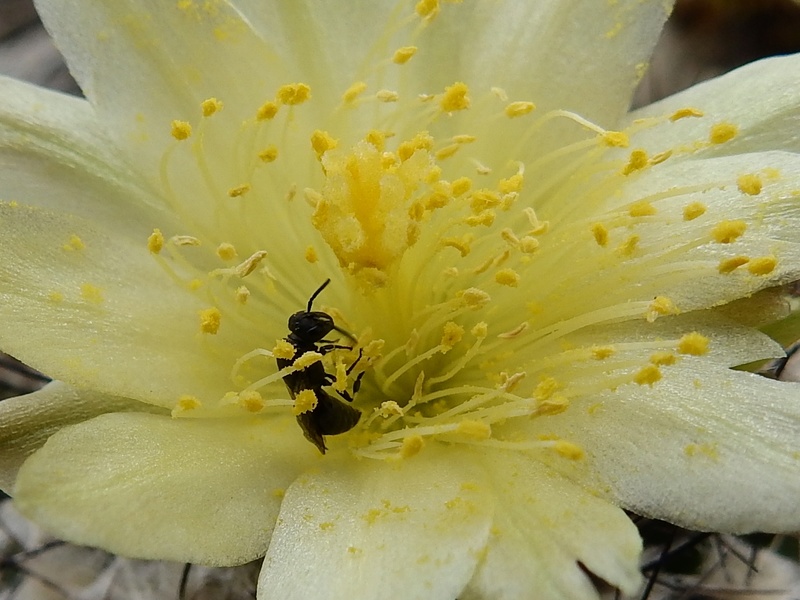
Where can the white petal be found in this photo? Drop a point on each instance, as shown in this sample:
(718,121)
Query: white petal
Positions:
(762,99)
(27,421)
(372,530)
(547,533)
(704,448)
(132,332)
(154,487)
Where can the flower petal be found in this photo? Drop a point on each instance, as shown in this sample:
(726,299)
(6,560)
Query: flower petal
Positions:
(705,448)
(345,532)
(547,533)
(27,421)
(154,487)
(761,99)
(96,310)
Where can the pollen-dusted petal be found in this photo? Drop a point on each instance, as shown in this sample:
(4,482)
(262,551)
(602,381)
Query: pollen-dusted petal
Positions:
(88,479)
(437,519)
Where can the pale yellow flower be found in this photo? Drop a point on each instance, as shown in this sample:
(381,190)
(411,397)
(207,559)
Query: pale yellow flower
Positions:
(548,293)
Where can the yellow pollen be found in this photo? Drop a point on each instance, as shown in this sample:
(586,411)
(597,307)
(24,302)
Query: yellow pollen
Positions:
(186,403)
(74,243)
(463,138)
(722,132)
(461,186)
(226,251)
(518,109)
(647,375)
(750,184)
(447,151)
(455,97)
(92,293)
(451,335)
(387,96)
(242,294)
(528,244)
(427,9)
(616,139)
(475,429)
(267,111)
(195,284)
(321,142)
(510,185)
(481,330)
(507,277)
(209,320)
(268,154)
(642,209)
(693,210)
(181,130)
(155,242)
(569,450)
(693,343)
(307,359)
(251,401)
(210,106)
(404,54)
(283,349)
(293,93)
(353,92)
(554,405)
(545,389)
(600,233)
(304,402)
(763,265)
(311,255)
(461,244)
(727,232)
(660,306)
(377,138)
(601,352)
(239,190)
(390,408)
(729,265)
(412,445)
(636,161)
(663,358)
(55,297)
(683,113)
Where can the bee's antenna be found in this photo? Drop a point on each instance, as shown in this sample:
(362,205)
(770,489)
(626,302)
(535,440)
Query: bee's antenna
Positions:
(317,293)
(347,334)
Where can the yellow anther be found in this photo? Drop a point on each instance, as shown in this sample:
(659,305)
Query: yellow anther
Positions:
(452,333)
(248,266)
(642,209)
(569,450)
(507,277)
(637,161)
(499,93)
(268,154)
(377,138)
(463,138)
(461,186)
(283,349)
(729,265)
(390,408)
(518,109)
(663,358)
(239,190)
(447,151)
(226,251)
(763,265)
(485,218)
(267,111)
(354,91)
(251,401)
(181,130)
(512,184)
(92,293)
(475,429)
(554,405)
(528,244)
(455,97)
(727,232)
(427,9)
(474,298)
(412,445)
(660,306)
(186,403)
(750,184)
(693,343)
(480,331)
(602,352)
(616,139)
(693,210)
(155,242)
(184,240)
(293,93)
(686,112)
(307,359)
(311,254)
(321,142)
(629,246)
(74,243)
(647,375)
(195,284)
(387,95)
(461,244)
(545,389)
(209,320)
(242,294)
(657,159)
(482,199)
(304,402)
(210,106)
(404,54)
(722,132)
(421,141)
(55,297)
(600,233)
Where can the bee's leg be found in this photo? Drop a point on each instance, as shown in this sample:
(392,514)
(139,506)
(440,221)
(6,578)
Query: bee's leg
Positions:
(357,383)
(328,347)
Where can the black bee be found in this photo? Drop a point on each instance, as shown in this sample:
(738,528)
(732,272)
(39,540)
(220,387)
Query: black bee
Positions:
(331,416)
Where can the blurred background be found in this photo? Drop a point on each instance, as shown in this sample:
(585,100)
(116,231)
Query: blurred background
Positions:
(703,39)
